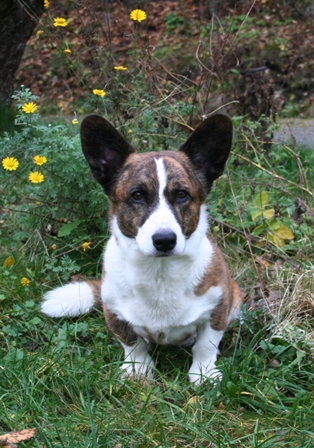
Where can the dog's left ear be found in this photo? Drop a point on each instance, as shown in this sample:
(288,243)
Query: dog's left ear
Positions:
(208,147)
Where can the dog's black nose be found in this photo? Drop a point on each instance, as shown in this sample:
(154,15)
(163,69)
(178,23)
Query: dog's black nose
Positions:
(164,241)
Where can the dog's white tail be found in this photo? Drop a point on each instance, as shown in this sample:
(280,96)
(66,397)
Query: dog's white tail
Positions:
(72,299)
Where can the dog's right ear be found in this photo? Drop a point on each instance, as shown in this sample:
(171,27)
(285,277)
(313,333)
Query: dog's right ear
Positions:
(104,149)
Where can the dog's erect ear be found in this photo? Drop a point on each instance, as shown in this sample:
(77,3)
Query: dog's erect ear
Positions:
(104,148)
(208,147)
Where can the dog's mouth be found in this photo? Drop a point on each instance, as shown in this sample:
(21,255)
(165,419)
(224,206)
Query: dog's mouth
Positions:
(163,254)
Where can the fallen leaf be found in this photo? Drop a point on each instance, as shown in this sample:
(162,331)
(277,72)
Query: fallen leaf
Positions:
(9,439)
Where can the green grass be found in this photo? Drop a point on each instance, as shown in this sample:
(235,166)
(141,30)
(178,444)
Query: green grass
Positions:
(62,377)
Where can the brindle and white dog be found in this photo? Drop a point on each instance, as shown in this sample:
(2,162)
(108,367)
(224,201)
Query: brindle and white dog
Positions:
(164,280)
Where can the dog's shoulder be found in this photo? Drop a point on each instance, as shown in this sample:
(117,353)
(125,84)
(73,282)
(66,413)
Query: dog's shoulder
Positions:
(217,274)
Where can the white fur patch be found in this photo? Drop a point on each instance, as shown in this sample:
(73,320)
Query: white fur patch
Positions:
(137,361)
(205,351)
(160,220)
(72,299)
(158,293)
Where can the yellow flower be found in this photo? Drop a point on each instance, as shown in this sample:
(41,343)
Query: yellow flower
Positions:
(40,160)
(130,131)
(25,281)
(36,177)
(29,108)
(46,4)
(138,15)
(120,67)
(99,92)
(75,121)
(39,33)
(67,51)
(60,21)
(10,163)
(86,245)
(53,246)
(8,262)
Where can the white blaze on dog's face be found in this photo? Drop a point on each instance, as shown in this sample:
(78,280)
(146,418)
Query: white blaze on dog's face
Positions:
(156,203)
(161,233)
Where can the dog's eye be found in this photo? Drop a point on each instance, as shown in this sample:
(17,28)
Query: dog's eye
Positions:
(137,195)
(182,194)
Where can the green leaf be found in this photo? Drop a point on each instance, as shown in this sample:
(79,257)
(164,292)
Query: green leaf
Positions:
(261,199)
(66,229)
(259,229)
(282,231)
(231,389)
(255,213)
(269,213)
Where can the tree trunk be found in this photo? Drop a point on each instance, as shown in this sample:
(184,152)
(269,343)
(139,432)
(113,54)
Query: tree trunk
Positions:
(18,20)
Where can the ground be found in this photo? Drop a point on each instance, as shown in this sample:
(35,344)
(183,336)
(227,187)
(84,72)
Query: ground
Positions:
(260,55)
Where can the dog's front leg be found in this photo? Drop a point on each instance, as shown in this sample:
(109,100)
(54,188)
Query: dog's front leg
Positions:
(205,351)
(137,361)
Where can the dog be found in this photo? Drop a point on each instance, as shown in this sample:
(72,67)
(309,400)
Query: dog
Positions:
(164,280)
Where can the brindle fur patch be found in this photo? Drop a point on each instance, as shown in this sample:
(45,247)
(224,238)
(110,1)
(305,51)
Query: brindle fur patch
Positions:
(120,328)
(182,176)
(217,274)
(138,174)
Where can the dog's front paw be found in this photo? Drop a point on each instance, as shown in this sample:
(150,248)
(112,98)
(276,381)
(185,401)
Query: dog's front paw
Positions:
(137,370)
(199,373)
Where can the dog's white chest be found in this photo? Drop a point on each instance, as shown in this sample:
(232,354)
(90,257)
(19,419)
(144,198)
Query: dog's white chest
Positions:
(157,296)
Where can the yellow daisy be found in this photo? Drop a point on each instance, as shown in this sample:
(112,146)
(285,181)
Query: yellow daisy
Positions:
(10,163)
(39,33)
(60,21)
(86,245)
(99,92)
(120,68)
(67,51)
(29,108)
(40,160)
(46,4)
(25,281)
(36,177)
(75,121)
(8,262)
(138,15)
(53,246)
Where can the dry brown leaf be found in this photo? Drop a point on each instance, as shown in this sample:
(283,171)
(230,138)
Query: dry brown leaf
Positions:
(8,440)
